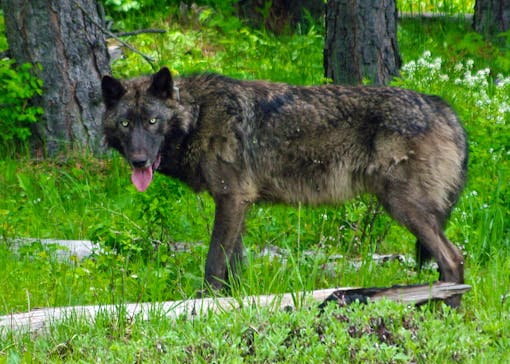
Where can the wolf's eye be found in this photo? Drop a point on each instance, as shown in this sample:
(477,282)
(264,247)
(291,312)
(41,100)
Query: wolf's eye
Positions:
(124,123)
(153,121)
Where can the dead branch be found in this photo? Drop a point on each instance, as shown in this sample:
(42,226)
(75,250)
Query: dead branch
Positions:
(140,31)
(105,31)
(41,319)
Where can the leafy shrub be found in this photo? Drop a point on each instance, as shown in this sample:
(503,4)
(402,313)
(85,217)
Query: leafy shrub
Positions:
(18,86)
(482,99)
(123,5)
(129,5)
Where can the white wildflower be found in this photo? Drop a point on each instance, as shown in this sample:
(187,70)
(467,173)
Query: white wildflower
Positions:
(502,81)
(409,67)
(483,73)
(444,77)
(469,79)
(437,64)
(422,62)
(503,107)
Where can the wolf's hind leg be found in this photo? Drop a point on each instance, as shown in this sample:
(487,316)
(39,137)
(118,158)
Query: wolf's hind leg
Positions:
(427,227)
(423,255)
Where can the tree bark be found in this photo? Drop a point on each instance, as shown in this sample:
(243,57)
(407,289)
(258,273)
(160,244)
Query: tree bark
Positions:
(361,41)
(491,17)
(60,36)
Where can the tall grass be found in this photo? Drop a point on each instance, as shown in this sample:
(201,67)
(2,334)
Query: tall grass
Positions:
(448,7)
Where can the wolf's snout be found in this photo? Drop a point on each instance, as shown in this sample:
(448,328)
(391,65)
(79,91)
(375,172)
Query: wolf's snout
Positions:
(139,159)
(139,163)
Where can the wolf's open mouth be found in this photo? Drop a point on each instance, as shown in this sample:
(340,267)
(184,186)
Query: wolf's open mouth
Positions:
(142,177)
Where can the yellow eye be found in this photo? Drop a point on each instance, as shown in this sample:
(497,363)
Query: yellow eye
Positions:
(124,123)
(153,121)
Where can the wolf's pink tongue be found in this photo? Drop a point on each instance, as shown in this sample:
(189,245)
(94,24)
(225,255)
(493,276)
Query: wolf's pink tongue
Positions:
(141,178)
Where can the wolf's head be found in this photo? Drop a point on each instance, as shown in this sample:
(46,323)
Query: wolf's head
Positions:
(139,114)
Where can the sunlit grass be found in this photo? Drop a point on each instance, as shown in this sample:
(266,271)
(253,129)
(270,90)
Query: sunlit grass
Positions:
(436,6)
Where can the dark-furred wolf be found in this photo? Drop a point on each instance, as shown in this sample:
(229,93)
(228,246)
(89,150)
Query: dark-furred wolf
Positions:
(249,141)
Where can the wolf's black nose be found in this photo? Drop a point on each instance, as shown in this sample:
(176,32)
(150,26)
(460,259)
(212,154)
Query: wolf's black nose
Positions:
(139,163)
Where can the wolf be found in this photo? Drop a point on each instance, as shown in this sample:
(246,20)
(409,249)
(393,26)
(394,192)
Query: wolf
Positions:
(251,141)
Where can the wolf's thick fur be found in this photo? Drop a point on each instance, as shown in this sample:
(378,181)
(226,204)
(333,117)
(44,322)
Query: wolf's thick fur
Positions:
(248,141)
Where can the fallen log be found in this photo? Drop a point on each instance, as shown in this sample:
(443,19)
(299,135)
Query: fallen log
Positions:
(40,319)
(417,294)
(65,248)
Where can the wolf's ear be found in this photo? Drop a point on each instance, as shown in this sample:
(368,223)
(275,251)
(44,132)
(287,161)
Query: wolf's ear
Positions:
(112,90)
(162,85)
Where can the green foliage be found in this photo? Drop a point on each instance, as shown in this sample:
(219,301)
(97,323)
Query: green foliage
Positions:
(210,47)
(455,39)
(141,13)
(3,39)
(17,88)
(123,5)
(439,6)
(385,332)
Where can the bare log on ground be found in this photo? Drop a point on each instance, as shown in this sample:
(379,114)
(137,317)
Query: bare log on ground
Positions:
(80,249)
(40,319)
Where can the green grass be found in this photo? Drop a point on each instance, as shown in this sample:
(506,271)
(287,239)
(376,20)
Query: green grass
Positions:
(382,333)
(436,6)
(79,196)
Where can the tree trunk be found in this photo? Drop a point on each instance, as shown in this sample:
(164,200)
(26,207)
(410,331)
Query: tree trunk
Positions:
(361,41)
(60,36)
(279,15)
(491,17)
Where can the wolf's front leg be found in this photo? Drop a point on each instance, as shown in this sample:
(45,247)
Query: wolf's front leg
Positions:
(225,240)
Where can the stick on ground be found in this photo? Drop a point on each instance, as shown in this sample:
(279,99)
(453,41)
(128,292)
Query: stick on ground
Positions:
(40,319)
